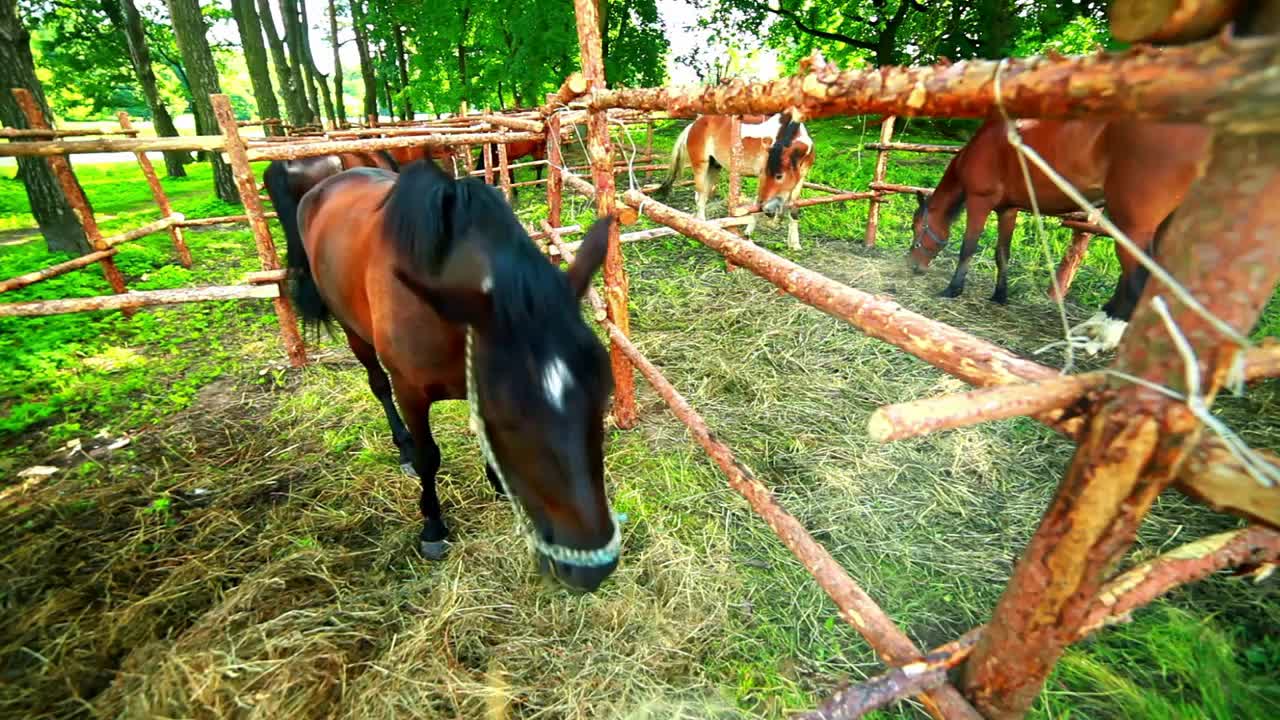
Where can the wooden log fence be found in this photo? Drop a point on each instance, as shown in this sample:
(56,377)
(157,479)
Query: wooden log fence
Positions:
(159,196)
(70,187)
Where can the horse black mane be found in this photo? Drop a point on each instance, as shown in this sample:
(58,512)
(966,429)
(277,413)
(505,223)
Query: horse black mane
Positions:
(786,134)
(390,160)
(430,215)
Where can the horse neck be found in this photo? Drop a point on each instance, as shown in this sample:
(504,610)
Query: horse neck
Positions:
(949,196)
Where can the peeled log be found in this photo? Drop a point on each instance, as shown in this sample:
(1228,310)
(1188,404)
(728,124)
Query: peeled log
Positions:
(293,151)
(1169,21)
(136,299)
(1220,82)
(112,145)
(954,351)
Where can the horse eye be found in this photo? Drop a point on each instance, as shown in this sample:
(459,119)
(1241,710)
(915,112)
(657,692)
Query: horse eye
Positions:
(778,176)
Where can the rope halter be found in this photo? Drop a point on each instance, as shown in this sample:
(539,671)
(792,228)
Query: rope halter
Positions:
(524,524)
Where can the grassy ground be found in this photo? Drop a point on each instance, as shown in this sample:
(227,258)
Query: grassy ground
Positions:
(249,553)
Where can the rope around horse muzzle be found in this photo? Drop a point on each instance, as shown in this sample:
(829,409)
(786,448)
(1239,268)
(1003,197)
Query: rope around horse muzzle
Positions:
(939,241)
(524,523)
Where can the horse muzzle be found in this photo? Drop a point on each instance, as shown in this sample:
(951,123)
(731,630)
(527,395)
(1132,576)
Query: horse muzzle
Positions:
(773,208)
(579,578)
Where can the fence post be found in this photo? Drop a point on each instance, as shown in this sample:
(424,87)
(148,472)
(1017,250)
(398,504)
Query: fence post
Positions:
(243,172)
(615,276)
(882,165)
(735,175)
(648,149)
(75,194)
(555,161)
(486,150)
(158,194)
(504,172)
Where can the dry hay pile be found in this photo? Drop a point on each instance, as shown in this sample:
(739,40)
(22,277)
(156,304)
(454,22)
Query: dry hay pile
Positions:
(253,556)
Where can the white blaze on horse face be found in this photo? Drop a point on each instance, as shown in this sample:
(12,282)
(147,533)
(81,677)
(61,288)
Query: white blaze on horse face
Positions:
(555,381)
(486,284)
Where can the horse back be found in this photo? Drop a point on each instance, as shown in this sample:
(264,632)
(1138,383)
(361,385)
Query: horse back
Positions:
(353,259)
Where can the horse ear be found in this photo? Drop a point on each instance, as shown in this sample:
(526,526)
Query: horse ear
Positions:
(460,306)
(590,256)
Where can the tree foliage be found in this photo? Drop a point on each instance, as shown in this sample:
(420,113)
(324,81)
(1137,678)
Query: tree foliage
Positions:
(503,52)
(856,33)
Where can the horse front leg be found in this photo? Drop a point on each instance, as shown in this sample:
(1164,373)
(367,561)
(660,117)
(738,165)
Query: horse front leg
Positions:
(973,230)
(1007,221)
(416,405)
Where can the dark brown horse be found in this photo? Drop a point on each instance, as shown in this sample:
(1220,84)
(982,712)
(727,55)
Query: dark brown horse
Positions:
(288,180)
(435,279)
(1140,170)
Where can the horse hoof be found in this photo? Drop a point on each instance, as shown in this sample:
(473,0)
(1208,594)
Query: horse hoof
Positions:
(1000,299)
(949,293)
(433,550)
(407,469)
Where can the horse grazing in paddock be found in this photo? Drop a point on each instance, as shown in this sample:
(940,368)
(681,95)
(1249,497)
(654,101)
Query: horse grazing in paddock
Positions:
(777,151)
(1140,170)
(435,279)
(535,149)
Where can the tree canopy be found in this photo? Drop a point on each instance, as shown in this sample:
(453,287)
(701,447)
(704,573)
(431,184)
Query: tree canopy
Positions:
(431,56)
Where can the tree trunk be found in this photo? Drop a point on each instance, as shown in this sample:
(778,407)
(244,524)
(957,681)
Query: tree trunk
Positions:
(295,102)
(124,16)
(58,223)
(339,103)
(189,32)
(386,83)
(255,56)
(317,77)
(367,73)
(402,65)
(463,82)
(298,74)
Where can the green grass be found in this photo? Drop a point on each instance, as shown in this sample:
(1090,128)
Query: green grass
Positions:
(250,551)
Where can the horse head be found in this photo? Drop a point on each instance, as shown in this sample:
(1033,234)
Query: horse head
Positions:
(789,160)
(538,378)
(926,239)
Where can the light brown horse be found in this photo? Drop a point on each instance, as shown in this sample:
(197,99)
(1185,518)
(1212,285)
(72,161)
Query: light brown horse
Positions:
(777,151)
(436,280)
(1141,171)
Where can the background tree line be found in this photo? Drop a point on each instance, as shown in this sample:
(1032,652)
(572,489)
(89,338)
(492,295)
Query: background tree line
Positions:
(160,59)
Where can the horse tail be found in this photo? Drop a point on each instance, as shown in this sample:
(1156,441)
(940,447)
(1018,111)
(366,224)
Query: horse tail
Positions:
(678,154)
(302,286)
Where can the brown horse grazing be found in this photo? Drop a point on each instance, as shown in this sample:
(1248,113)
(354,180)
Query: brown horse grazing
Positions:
(435,279)
(777,151)
(1140,170)
(535,149)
